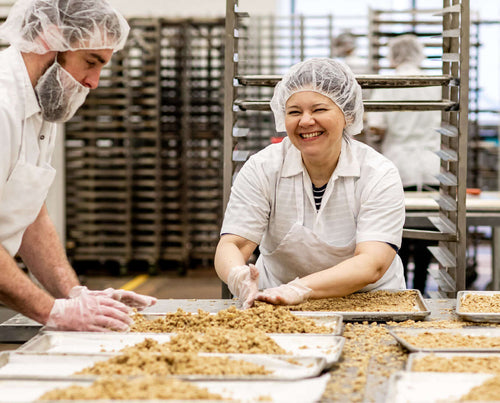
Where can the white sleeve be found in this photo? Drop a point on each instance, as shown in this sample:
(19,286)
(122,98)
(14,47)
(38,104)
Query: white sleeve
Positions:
(382,209)
(247,213)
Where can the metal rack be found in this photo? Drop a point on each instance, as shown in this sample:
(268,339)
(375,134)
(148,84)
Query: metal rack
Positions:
(450,224)
(143,154)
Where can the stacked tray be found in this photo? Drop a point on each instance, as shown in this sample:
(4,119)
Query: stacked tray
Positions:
(492,317)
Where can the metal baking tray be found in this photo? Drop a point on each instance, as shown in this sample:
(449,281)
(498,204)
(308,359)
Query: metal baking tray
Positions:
(488,332)
(18,329)
(421,312)
(413,357)
(476,316)
(328,319)
(304,390)
(313,345)
(429,387)
(41,365)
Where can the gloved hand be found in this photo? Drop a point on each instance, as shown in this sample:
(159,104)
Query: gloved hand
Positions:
(129,298)
(291,293)
(88,312)
(243,282)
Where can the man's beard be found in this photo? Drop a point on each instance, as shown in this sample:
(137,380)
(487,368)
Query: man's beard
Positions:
(59,94)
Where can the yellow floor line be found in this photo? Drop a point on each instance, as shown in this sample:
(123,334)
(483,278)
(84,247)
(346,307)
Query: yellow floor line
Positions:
(135,282)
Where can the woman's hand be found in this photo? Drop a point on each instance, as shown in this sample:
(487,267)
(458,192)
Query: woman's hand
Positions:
(286,294)
(243,283)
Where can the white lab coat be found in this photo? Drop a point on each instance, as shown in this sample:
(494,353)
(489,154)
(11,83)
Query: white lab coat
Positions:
(26,147)
(410,137)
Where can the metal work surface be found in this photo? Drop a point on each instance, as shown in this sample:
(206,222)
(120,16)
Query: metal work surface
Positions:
(492,317)
(306,390)
(373,384)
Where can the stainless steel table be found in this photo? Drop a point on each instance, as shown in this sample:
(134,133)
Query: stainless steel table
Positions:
(482,210)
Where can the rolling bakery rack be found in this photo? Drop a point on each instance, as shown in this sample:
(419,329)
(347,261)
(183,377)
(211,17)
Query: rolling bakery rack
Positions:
(450,225)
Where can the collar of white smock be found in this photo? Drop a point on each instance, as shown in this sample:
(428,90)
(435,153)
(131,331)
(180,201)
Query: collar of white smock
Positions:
(348,164)
(23,82)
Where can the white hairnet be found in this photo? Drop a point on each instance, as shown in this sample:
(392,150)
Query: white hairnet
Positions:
(40,26)
(327,77)
(344,43)
(406,49)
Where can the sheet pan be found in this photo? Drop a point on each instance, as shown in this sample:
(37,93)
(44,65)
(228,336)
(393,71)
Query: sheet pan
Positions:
(414,357)
(328,319)
(476,316)
(41,365)
(304,391)
(430,387)
(420,313)
(398,334)
(314,345)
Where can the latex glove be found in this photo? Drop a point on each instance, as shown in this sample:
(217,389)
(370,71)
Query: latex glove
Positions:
(243,282)
(88,312)
(129,298)
(291,293)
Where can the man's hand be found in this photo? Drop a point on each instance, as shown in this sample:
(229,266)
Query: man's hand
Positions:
(129,298)
(286,294)
(243,282)
(87,312)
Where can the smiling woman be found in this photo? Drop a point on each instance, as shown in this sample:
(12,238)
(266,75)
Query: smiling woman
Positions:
(326,211)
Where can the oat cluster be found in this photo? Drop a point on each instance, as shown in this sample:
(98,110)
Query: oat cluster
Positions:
(480,303)
(266,318)
(132,389)
(214,340)
(463,363)
(376,301)
(141,363)
(489,390)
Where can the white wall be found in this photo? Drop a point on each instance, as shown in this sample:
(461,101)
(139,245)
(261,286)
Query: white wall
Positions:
(190,8)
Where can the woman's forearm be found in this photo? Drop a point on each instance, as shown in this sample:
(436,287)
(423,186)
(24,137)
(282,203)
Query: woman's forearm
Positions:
(353,274)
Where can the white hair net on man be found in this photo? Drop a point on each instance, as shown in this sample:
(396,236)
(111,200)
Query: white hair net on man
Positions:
(327,77)
(40,26)
(406,49)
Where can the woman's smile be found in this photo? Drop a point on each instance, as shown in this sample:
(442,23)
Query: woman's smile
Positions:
(310,135)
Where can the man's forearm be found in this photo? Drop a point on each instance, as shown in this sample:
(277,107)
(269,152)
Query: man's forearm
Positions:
(18,292)
(44,255)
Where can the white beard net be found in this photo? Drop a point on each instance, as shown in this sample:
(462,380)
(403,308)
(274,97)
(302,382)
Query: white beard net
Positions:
(40,26)
(59,94)
(327,77)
